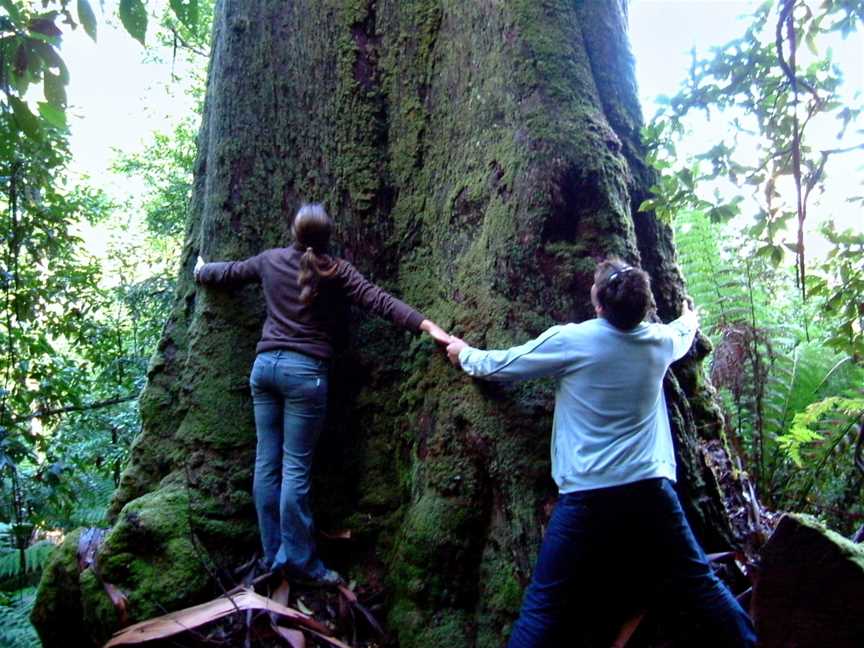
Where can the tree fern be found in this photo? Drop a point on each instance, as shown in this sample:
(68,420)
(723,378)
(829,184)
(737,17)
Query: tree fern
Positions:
(804,391)
(90,508)
(769,373)
(822,436)
(808,425)
(709,273)
(740,319)
(76,499)
(36,556)
(15,628)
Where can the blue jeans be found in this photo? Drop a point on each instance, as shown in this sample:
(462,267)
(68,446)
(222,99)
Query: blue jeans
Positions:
(289,392)
(643,526)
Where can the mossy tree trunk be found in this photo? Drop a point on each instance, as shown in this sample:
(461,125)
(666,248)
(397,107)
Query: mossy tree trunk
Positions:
(479,158)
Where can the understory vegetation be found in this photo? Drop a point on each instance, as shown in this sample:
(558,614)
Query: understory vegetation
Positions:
(782,301)
(78,326)
(770,239)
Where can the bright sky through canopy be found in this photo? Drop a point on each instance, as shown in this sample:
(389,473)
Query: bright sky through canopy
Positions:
(663,33)
(118,95)
(117,99)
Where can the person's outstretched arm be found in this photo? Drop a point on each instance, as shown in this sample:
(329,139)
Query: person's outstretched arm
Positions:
(227,272)
(367,295)
(435,332)
(547,355)
(683,331)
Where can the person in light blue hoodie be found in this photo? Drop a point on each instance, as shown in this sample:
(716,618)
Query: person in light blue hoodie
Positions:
(613,461)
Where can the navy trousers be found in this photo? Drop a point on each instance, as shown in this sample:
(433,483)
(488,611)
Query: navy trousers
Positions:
(641,526)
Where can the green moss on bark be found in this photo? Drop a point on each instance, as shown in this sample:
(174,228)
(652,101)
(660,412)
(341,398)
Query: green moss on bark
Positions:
(150,554)
(57,612)
(99,615)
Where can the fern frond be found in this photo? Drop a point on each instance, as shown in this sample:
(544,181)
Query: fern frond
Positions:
(36,557)
(15,628)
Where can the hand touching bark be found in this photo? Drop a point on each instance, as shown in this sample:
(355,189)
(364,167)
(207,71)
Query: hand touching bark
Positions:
(687,309)
(456,345)
(435,332)
(198,265)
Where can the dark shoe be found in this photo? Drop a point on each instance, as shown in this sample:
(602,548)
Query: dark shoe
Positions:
(329,578)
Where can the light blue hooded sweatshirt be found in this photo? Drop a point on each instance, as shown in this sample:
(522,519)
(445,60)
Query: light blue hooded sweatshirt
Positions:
(611,426)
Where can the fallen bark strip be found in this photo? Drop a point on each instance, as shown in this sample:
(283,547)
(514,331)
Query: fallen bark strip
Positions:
(295,638)
(196,616)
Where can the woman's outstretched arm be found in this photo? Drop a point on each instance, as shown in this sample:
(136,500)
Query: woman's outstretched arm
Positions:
(227,272)
(435,332)
(367,295)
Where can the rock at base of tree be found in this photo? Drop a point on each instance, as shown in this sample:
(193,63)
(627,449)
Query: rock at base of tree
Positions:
(809,589)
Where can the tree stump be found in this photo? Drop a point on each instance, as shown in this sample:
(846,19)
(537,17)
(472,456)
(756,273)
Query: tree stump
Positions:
(809,590)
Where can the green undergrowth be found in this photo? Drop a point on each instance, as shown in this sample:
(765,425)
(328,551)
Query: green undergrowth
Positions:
(16,630)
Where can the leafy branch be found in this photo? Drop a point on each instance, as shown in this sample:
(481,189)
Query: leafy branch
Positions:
(44,413)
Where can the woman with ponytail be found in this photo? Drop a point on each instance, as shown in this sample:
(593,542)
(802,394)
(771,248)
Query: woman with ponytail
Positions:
(302,286)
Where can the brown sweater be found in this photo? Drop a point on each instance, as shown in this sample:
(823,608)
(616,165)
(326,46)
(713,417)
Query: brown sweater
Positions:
(292,325)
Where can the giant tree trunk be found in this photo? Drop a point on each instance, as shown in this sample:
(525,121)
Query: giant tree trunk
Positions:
(479,159)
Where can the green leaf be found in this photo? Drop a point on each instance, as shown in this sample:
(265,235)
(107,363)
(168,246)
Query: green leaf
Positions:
(723,213)
(52,114)
(186,11)
(26,120)
(87,18)
(14,11)
(809,38)
(43,38)
(45,26)
(22,60)
(647,205)
(776,255)
(52,58)
(133,15)
(55,89)
(64,71)
(686,176)
(764,250)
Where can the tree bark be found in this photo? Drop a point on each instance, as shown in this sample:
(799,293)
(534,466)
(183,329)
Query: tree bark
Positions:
(479,158)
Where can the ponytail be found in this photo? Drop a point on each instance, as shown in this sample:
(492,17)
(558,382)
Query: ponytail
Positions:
(312,268)
(312,227)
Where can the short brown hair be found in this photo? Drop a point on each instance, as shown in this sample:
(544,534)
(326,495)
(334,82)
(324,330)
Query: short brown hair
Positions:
(624,292)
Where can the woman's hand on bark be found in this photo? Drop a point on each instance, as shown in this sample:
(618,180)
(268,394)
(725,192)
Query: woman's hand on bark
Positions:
(435,332)
(198,265)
